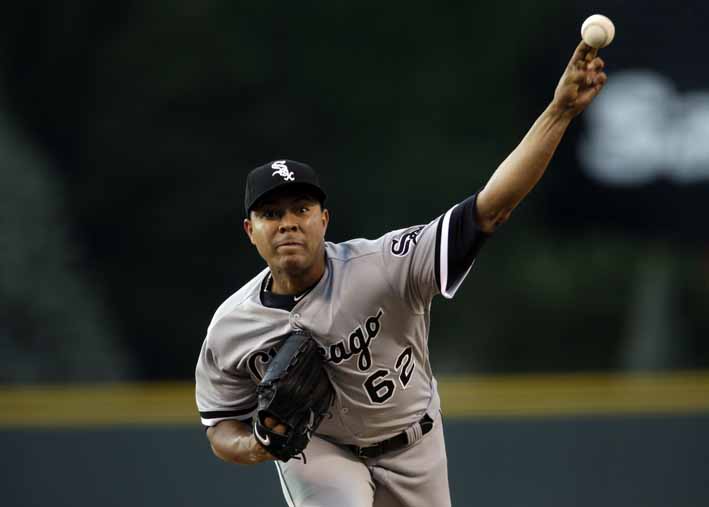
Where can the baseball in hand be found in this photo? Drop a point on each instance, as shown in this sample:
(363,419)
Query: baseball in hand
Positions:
(597,31)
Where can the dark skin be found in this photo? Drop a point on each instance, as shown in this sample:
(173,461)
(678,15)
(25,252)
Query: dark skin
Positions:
(232,441)
(288,229)
(517,175)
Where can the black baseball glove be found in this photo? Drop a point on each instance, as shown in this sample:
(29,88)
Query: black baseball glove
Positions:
(296,392)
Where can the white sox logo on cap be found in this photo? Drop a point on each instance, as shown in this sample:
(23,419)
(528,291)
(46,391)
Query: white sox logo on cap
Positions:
(277,173)
(281,169)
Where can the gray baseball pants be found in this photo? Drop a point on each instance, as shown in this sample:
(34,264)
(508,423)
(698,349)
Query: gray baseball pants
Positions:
(416,476)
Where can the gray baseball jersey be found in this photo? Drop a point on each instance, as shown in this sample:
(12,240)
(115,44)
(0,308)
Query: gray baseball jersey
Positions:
(370,312)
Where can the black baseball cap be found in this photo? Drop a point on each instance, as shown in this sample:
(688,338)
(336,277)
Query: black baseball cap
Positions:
(279,174)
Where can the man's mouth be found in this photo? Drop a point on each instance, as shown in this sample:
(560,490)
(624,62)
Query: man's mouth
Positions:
(292,244)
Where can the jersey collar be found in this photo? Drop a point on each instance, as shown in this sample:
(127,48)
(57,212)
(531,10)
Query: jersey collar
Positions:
(283,301)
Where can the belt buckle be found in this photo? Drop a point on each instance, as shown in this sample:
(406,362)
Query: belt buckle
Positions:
(363,452)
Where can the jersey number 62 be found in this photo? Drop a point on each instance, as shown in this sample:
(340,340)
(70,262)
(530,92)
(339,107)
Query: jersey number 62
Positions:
(379,385)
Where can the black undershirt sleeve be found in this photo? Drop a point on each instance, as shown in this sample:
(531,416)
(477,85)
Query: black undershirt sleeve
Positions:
(465,239)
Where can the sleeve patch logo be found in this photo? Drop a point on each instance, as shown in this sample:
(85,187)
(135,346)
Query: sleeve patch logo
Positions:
(400,247)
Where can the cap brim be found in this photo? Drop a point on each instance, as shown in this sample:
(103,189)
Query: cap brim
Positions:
(287,188)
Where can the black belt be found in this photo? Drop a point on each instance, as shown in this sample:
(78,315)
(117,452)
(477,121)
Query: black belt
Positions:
(392,444)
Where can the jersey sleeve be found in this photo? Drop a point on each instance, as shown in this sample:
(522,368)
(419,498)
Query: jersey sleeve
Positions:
(221,394)
(435,258)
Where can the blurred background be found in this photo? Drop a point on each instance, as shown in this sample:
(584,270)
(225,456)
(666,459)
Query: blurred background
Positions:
(126,133)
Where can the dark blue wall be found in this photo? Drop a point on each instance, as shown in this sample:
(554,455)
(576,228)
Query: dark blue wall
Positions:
(606,462)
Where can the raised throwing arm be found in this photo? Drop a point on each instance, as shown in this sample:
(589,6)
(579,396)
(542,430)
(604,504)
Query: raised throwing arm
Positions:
(521,170)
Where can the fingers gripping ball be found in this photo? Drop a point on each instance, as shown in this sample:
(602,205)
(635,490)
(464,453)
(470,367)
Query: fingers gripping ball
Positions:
(597,31)
(297,393)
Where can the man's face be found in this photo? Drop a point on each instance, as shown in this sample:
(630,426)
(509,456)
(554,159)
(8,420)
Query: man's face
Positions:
(288,230)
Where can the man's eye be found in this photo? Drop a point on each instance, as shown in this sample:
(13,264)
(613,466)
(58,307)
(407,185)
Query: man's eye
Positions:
(304,209)
(269,213)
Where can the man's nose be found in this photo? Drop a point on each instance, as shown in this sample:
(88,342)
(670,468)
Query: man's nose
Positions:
(289,223)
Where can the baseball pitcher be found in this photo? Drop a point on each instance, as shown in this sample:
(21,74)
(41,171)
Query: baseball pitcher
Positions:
(320,362)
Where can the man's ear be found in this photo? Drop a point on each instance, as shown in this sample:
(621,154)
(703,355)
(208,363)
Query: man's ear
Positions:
(325,218)
(249,230)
